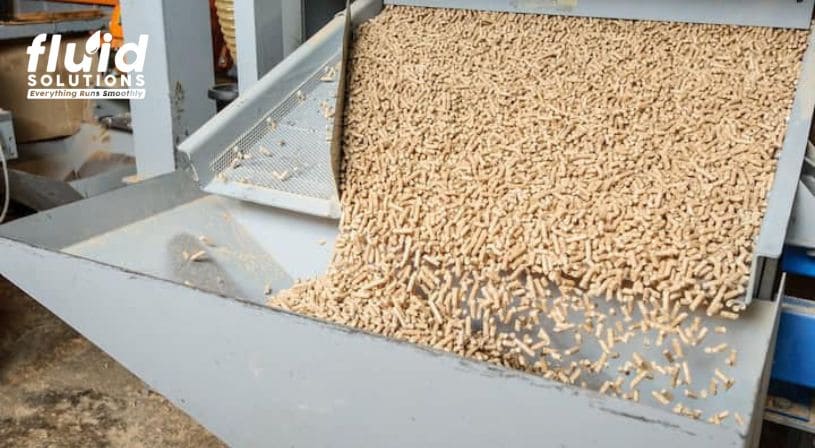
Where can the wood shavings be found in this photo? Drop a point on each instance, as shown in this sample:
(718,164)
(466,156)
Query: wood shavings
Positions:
(326,109)
(329,74)
(281,175)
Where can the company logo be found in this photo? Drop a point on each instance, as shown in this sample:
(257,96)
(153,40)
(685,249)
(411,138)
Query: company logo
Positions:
(85,73)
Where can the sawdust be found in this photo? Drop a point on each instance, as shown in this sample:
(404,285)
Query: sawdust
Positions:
(57,389)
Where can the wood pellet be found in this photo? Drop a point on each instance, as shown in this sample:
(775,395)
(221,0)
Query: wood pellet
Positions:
(514,181)
(198,256)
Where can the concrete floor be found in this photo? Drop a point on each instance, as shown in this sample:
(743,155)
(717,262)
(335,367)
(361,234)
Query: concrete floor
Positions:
(58,389)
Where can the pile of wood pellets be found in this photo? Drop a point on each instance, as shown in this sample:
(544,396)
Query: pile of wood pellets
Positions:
(537,192)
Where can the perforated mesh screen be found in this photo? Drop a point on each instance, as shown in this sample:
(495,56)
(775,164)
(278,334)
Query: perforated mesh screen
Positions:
(289,149)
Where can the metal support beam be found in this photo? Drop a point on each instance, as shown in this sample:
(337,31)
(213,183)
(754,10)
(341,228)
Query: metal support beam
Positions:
(293,25)
(178,72)
(319,12)
(266,32)
(774,13)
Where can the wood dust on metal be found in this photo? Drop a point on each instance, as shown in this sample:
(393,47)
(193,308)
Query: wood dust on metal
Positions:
(514,181)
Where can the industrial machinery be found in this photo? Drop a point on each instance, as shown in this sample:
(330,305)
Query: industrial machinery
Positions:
(113,267)
(301,131)
(793,376)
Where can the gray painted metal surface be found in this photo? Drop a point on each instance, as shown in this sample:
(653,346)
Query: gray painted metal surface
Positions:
(782,195)
(780,199)
(293,25)
(774,13)
(40,192)
(802,222)
(286,157)
(261,378)
(166,216)
(256,376)
(178,73)
(320,12)
(259,39)
(267,32)
(303,125)
(110,179)
(8,144)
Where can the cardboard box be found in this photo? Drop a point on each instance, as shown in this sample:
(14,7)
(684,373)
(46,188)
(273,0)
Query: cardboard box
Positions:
(36,120)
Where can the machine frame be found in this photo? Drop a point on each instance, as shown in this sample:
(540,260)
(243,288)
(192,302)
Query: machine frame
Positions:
(110,266)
